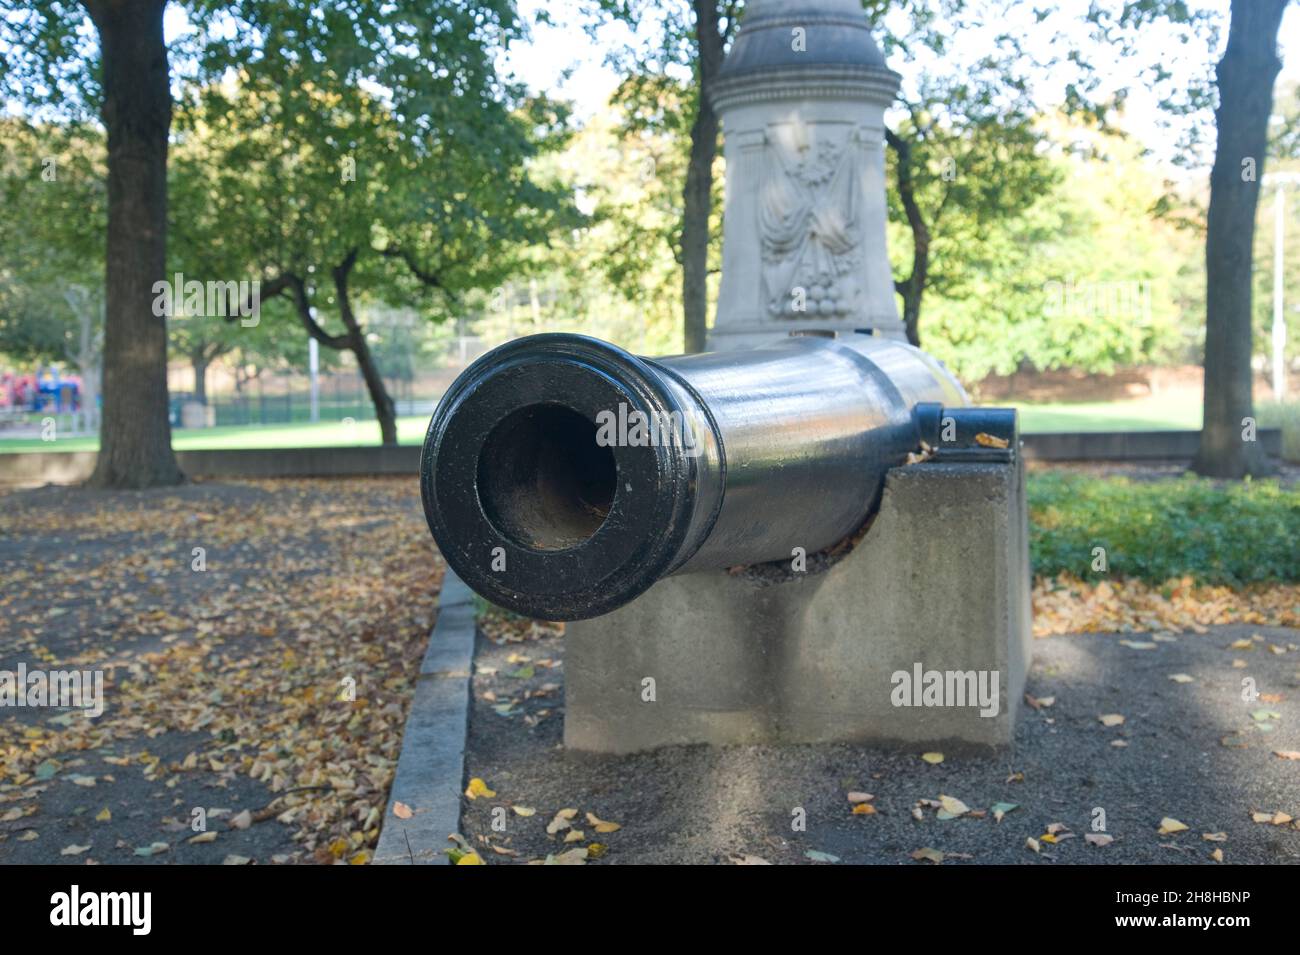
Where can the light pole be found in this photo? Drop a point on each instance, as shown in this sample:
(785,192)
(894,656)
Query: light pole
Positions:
(1279,180)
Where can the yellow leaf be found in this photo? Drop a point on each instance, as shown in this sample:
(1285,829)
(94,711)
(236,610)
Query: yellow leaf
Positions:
(596,850)
(202,837)
(1111,719)
(1217,855)
(103,815)
(478,788)
(1170,825)
(524,811)
(561,821)
(933,759)
(952,805)
(601,825)
(864,809)
(574,835)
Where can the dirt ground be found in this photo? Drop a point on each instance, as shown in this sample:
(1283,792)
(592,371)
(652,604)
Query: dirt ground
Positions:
(1189,749)
(227,671)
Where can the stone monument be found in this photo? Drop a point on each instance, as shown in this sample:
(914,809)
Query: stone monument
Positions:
(802,96)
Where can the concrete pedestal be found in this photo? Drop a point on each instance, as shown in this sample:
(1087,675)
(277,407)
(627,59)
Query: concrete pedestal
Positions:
(938,584)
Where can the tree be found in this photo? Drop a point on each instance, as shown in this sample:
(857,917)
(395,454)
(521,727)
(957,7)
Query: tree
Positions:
(340,200)
(51,262)
(435,60)
(694,37)
(1244,77)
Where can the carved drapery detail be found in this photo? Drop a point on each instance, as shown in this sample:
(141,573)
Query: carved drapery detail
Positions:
(809,221)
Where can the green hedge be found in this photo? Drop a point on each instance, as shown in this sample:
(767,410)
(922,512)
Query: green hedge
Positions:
(1156,530)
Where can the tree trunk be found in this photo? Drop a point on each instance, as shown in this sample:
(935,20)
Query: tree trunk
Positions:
(912,289)
(1245,78)
(135,435)
(200,362)
(356,342)
(698,193)
(383,402)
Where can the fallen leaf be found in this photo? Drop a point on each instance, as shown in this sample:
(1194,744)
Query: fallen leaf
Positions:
(1182,678)
(1032,843)
(1286,753)
(478,788)
(1111,719)
(817,856)
(574,835)
(929,855)
(1214,836)
(1098,838)
(1000,809)
(749,860)
(202,837)
(1170,825)
(153,849)
(561,821)
(242,820)
(600,825)
(104,815)
(576,856)
(73,850)
(1217,855)
(857,797)
(951,807)
(864,809)
(934,759)
(524,811)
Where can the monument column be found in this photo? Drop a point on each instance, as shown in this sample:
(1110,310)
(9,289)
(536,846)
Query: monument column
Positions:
(802,95)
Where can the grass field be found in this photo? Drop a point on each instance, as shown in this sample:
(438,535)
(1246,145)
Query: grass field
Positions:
(1175,411)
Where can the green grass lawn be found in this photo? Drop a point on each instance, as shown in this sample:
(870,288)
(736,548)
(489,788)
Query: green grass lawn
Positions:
(1173,412)
(1157,413)
(325,434)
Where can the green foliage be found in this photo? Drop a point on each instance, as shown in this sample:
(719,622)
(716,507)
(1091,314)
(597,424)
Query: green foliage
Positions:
(1084,278)
(51,235)
(1233,534)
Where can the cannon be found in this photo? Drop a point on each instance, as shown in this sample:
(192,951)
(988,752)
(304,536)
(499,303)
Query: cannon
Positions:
(562,477)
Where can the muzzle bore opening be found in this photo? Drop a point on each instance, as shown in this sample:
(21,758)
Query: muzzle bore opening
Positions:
(543,481)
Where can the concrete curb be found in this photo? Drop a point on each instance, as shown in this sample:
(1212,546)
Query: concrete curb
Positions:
(1164,446)
(431,766)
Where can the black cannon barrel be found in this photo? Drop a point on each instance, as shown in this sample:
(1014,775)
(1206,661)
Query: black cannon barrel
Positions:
(562,476)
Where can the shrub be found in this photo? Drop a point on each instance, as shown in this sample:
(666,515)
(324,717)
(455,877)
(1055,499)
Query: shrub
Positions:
(1231,534)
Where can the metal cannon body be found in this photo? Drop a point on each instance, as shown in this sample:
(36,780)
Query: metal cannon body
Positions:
(562,477)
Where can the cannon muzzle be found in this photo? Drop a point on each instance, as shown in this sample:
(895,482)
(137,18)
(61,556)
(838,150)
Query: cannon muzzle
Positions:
(562,476)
